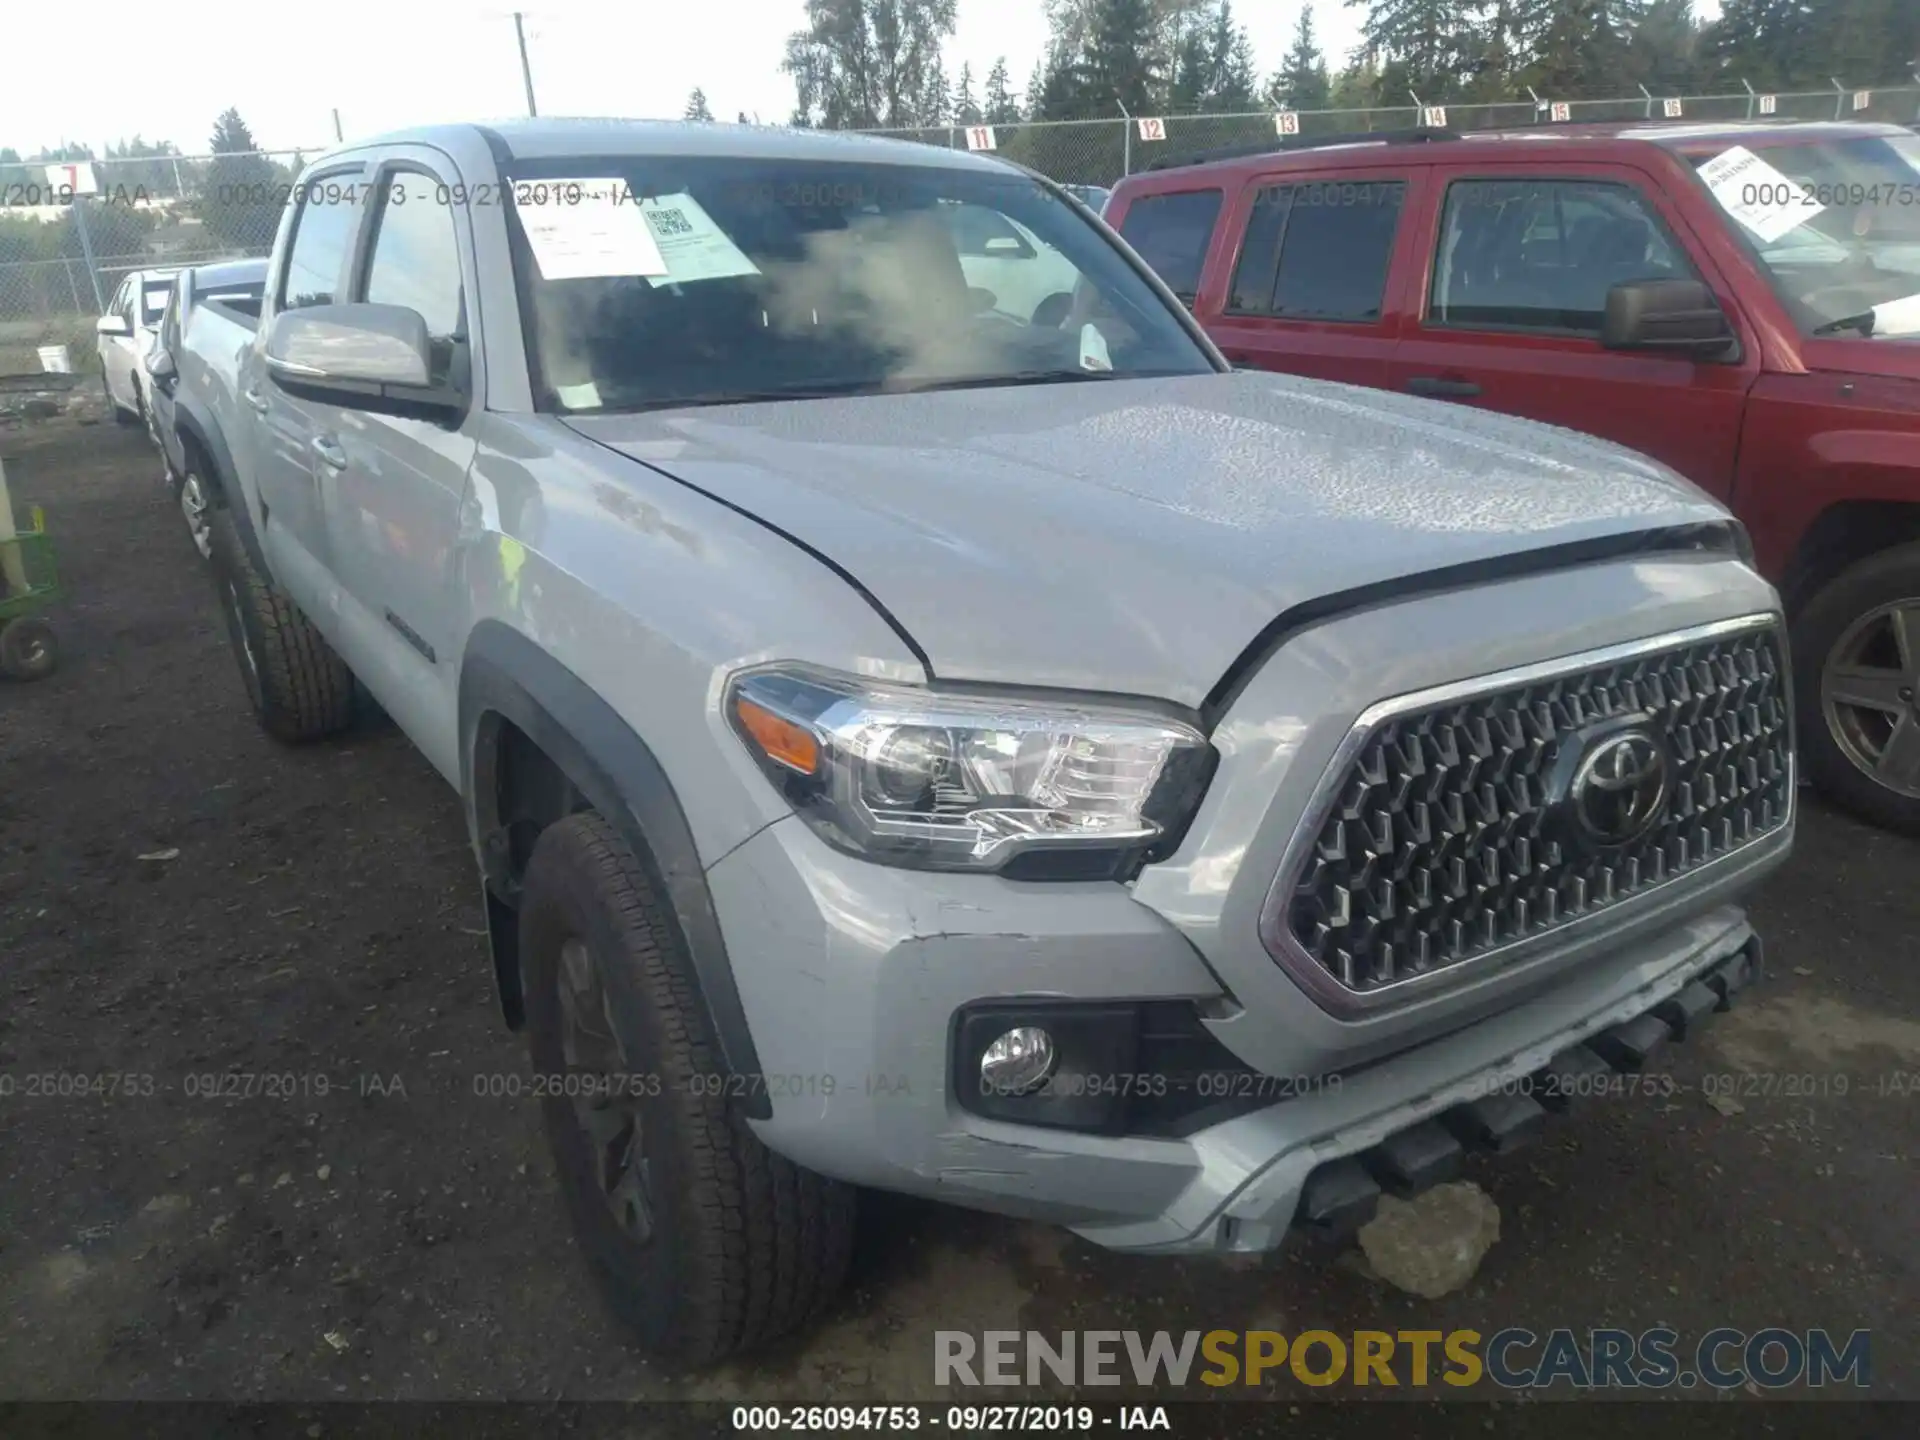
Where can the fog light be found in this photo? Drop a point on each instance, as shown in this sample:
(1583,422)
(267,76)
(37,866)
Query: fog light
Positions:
(1017,1062)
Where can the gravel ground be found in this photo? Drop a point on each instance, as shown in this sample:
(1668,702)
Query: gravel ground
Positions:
(375,1229)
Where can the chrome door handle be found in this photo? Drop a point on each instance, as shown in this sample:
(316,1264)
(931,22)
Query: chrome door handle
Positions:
(256,400)
(329,451)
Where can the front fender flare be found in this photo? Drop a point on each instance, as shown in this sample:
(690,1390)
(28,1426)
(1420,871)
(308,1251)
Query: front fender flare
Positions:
(505,676)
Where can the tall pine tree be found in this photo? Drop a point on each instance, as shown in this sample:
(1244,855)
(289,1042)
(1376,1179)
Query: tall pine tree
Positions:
(1301,82)
(1119,64)
(966,109)
(1427,45)
(1002,107)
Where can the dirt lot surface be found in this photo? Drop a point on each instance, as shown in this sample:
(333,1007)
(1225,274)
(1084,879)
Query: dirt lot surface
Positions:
(378,1230)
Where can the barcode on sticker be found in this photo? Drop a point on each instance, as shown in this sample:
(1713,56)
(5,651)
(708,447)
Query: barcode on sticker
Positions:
(669,222)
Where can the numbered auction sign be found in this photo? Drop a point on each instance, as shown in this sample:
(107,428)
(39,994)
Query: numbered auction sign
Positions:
(1434,117)
(981,137)
(1287,123)
(1153,129)
(1769,104)
(1560,110)
(1671,109)
(74,179)
(1862,99)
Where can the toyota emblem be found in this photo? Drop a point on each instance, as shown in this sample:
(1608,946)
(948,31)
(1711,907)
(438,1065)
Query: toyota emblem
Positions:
(1620,789)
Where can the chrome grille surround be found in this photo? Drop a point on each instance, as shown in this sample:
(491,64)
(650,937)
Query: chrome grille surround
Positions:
(1430,852)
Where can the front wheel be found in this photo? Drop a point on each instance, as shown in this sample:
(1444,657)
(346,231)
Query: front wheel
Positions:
(194,510)
(704,1241)
(1857,655)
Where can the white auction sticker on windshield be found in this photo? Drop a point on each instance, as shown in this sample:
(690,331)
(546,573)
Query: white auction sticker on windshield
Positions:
(692,247)
(585,229)
(1757,195)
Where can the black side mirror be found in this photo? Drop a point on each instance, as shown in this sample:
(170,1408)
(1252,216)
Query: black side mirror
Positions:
(1679,317)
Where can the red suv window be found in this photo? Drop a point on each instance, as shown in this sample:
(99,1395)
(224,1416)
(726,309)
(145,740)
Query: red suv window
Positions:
(1318,250)
(1171,232)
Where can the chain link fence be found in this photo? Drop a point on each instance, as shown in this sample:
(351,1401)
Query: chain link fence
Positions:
(63,255)
(1100,152)
(61,260)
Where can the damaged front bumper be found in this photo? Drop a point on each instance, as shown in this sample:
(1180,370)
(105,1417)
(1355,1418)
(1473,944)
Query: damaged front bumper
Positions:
(854,976)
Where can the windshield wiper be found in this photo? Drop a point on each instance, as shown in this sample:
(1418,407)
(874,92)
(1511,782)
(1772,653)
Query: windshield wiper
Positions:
(1863,322)
(1005,379)
(830,390)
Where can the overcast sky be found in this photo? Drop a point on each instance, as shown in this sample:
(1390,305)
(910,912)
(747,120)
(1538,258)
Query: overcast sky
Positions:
(163,71)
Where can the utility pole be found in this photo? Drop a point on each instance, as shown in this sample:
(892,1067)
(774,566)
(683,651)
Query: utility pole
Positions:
(526,70)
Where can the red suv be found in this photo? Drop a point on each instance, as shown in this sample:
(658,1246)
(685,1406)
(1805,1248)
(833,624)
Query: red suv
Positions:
(1739,301)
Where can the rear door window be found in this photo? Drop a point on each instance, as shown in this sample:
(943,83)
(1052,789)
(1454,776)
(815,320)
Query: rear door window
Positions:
(1171,232)
(1319,250)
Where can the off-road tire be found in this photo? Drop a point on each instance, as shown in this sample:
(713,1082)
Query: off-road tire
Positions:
(746,1246)
(1820,624)
(300,690)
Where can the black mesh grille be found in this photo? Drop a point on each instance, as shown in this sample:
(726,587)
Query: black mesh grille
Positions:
(1450,835)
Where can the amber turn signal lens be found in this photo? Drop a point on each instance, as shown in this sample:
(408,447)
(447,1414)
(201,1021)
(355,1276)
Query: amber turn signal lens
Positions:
(779,740)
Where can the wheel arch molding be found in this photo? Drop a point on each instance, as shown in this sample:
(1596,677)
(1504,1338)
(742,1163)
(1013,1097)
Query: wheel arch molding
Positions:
(537,744)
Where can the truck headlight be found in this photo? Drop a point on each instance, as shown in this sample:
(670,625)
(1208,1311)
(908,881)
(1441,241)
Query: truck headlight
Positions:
(947,781)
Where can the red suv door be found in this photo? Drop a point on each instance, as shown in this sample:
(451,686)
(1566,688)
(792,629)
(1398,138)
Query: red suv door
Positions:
(1305,284)
(1513,277)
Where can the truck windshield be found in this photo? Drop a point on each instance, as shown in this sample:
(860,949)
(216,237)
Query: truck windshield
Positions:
(670,281)
(1835,222)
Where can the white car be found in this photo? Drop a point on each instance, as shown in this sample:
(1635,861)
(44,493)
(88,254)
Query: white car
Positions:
(127,331)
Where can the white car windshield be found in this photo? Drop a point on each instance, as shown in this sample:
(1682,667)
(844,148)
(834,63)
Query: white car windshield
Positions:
(1835,222)
(698,281)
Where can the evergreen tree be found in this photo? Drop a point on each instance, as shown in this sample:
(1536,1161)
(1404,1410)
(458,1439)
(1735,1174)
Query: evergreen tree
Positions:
(1661,50)
(867,63)
(966,109)
(1035,108)
(697,106)
(1192,72)
(1234,72)
(238,203)
(1427,45)
(1301,82)
(1002,108)
(936,101)
(1120,67)
(1577,47)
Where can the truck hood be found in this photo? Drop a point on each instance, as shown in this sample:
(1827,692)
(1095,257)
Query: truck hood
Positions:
(1135,536)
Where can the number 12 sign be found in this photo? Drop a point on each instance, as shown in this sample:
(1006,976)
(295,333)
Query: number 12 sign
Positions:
(1154,129)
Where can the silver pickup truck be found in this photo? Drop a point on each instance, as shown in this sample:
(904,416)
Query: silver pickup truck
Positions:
(925,722)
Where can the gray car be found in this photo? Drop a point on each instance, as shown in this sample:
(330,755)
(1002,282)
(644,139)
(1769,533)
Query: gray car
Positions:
(986,749)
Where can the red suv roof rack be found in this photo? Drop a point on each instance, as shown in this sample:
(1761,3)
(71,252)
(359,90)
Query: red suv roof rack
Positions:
(1418,135)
